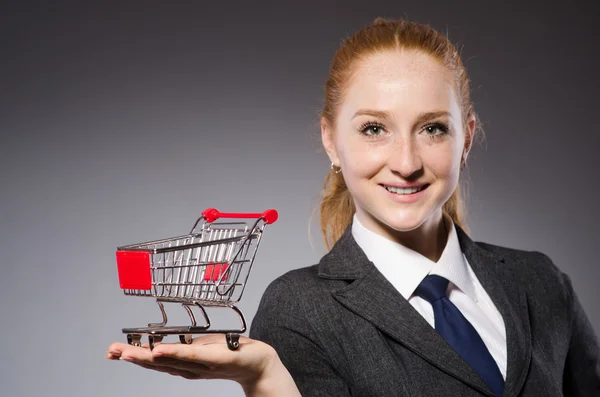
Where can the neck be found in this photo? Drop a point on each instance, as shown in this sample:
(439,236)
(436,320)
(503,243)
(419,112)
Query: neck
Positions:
(429,239)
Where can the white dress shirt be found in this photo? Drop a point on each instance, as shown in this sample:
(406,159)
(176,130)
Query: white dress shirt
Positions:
(405,269)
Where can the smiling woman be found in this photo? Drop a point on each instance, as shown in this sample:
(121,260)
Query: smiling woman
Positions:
(399,139)
(405,302)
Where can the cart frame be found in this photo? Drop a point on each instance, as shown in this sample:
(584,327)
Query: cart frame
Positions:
(205,268)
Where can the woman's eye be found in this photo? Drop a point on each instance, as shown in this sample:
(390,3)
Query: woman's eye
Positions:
(431,129)
(436,129)
(372,129)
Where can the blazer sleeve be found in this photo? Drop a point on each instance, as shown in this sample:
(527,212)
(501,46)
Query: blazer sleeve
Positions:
(582,367)
(281,321)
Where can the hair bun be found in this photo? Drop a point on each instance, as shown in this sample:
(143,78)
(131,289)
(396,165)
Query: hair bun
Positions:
(380,21)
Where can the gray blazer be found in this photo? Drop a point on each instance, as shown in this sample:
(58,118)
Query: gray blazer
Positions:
(342,329)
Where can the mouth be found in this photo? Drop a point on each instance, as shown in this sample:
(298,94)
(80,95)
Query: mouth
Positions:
(404,191)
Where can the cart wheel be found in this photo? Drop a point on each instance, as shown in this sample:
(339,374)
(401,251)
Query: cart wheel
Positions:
(153,340)
(233,341)
(185,339)
(134,339)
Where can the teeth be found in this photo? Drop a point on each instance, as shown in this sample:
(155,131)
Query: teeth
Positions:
(401,190)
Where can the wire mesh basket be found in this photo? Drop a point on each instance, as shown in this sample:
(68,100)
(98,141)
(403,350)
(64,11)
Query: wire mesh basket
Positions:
(208,267)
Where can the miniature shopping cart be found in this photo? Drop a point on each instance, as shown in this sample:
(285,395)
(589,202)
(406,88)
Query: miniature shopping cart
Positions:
(208,267)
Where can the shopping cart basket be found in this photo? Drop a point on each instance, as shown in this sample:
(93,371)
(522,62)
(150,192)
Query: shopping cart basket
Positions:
(208,267)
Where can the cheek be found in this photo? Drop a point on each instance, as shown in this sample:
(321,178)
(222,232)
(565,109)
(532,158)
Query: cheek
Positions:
(443,160)
(443,165)
(447,174)
(361,161)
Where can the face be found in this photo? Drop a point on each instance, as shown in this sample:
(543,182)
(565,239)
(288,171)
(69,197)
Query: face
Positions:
(399,139)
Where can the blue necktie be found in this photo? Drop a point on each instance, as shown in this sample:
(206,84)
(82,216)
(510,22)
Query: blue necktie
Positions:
(459,333)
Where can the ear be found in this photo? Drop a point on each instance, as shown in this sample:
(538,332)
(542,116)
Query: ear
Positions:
(328,141)
(469,135)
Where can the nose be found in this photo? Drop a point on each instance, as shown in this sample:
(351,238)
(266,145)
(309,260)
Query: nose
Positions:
(405,157)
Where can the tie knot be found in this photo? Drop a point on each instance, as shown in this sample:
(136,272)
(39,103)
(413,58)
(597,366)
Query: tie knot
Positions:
(432,288)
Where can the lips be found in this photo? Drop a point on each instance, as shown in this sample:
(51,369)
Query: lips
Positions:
(405,190)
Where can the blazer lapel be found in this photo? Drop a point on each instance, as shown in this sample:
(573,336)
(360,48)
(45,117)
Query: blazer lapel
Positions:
(371,296)
(504,288)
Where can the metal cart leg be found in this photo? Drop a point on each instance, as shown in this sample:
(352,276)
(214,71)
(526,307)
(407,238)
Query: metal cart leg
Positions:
(206,319)
(242,319)
(186,306)
(195,329)
(164,316)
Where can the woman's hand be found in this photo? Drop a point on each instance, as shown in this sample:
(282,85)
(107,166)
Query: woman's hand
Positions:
(254,365)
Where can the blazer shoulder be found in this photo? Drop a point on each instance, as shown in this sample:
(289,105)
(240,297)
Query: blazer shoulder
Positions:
(292,302)
(532,263)
(513,253)
(297,284)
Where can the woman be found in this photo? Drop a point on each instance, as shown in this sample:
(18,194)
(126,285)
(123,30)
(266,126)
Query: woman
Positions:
(404,303)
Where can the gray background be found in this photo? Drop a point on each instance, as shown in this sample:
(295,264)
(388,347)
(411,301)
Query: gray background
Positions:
(121,121)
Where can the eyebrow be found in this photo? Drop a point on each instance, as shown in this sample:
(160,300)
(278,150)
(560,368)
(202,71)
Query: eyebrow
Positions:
(384,114)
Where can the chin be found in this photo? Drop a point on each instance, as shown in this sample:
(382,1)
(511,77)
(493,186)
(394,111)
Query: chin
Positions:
(404,222)
(404,226)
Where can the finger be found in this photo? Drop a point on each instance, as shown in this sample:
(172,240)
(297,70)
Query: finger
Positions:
(140,355)
(206,340)
(170,370)
(115,350)
(191,372)
(165,364)
(210,352)
(166,361)
(216,338)
(119,346)
(128,352)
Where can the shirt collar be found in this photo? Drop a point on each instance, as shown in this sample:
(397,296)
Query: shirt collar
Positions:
(405,268)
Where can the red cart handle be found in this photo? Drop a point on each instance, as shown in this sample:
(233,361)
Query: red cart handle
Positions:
(212,214)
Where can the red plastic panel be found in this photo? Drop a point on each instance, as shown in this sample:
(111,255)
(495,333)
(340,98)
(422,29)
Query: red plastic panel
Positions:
(213,272)
(134,270)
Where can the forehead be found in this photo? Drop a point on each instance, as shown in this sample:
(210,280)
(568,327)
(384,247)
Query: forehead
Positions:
(401,80)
